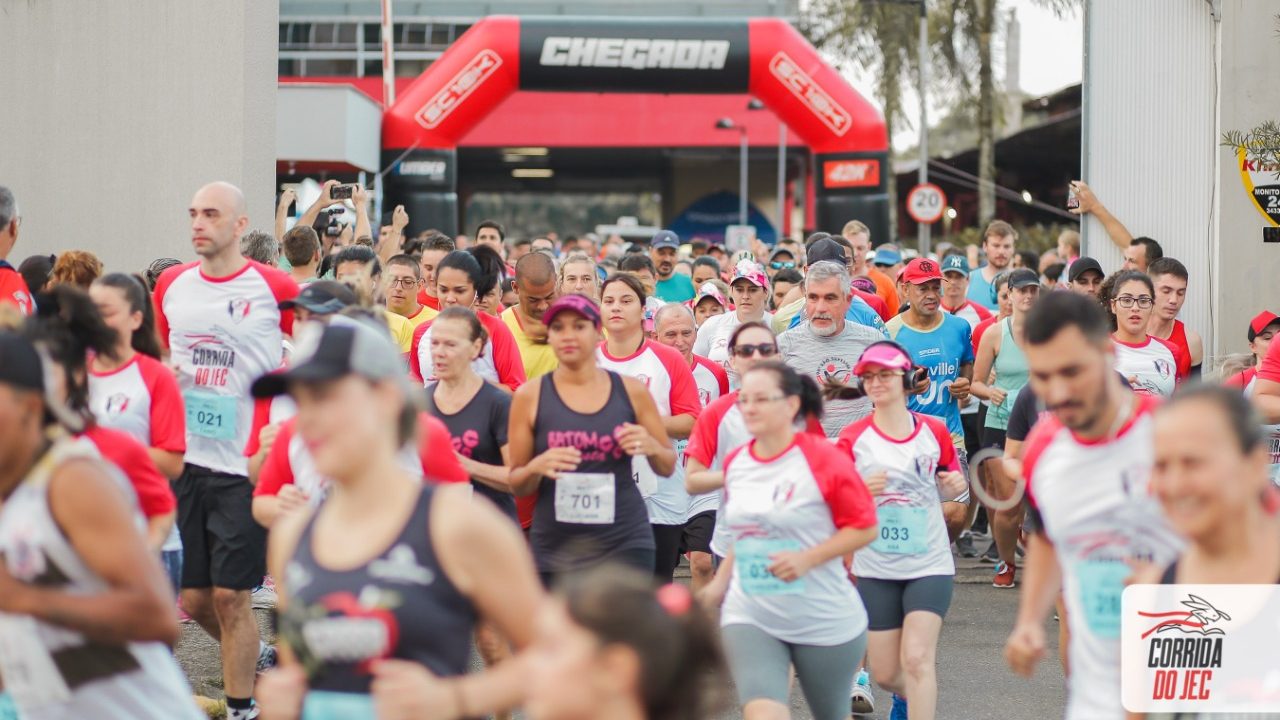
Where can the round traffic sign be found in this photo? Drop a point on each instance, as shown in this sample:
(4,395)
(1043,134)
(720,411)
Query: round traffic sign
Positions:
(926,202)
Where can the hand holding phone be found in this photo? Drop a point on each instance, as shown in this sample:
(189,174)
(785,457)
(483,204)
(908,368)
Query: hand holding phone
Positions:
(342,192)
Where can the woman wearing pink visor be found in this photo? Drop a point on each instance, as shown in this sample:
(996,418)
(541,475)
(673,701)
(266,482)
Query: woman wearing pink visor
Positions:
(905,575)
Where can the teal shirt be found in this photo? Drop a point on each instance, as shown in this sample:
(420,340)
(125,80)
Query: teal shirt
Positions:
(675,289)
(1012,374)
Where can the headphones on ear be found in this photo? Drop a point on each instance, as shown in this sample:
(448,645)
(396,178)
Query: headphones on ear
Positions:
(908,378)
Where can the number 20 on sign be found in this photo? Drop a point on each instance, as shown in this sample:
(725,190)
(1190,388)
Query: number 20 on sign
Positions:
(926,202)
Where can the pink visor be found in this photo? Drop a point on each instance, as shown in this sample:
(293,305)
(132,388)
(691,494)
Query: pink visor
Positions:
(882,355)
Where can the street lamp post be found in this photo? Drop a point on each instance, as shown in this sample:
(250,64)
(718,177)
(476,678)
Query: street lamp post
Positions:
(923,228)
(755,104)
(728,124)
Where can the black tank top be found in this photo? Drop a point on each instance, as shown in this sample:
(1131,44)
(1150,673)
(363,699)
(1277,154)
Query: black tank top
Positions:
(401,605)
(560,546)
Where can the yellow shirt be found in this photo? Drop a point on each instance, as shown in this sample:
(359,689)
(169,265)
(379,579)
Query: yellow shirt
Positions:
(401,330)
(425,315)
(539,359)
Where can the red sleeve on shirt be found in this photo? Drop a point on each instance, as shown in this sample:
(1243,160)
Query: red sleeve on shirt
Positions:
(684,389)
(168,414)
(850,502)
(283,288)
(1181,360)
(415,368)
(947,459)
(983,313)
(439,463)
(1041,435)
(704,441)
(848,437)
(875,302)
(506,354)
(261,419)
(155,496)
(1270,367)
(1241,379)
(157,297)
(277,470)
(722,377)
(979,331)
(13,289)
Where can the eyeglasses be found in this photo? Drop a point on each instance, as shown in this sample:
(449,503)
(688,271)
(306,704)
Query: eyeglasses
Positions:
(403,282)
(746,351)
(884,376)
(744,401)
(1143,301)
(781,265)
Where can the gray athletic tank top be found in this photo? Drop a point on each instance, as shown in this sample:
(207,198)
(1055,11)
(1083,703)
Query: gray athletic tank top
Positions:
(400,605)
(562,546)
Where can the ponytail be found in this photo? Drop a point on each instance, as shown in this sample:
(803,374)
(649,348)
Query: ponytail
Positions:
(793,384)
(144,340)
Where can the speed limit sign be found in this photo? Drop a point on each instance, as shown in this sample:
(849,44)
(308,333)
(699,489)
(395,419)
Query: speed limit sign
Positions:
(926,202)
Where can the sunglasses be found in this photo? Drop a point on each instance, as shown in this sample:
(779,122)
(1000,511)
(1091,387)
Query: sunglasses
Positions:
(781,265)
(746,351)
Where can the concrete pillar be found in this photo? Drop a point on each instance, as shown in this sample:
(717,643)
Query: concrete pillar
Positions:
(114,113)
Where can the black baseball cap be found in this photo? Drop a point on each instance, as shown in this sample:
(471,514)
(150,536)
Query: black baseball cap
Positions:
(344,346)
(323,297)
(1023,277)
(20,365)
(826,249)
(1082,265)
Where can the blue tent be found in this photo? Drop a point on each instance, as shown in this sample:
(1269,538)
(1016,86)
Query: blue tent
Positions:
(707,217)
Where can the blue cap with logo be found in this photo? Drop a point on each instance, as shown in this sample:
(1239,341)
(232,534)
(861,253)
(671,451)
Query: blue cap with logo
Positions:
(887,255)
(955,263)
(664,239)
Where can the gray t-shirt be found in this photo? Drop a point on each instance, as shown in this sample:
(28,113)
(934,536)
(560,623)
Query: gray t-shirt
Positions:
(820,357)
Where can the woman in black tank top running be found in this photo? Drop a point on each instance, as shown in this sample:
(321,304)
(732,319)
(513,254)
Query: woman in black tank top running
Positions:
(562,432)
(380,588)
(1211,476)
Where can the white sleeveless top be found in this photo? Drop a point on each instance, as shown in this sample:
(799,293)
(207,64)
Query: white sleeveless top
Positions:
(51,671)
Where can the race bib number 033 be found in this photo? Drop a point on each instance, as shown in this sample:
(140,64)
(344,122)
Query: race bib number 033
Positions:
(1200,649)
(751,564)
(903,530)
(585,498)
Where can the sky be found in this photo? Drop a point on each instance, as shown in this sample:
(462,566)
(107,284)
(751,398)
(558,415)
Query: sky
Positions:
(1052,58)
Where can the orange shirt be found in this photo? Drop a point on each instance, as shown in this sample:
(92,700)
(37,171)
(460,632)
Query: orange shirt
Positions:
(885,289)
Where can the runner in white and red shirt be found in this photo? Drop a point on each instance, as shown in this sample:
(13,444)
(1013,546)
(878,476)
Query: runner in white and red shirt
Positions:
(1153,366)
(793,507)
(666,374)
(905,577)
(674,326)
(221,321)
(1264,386)
(1262,328)
(460,281)
(1087,467)
(955,292)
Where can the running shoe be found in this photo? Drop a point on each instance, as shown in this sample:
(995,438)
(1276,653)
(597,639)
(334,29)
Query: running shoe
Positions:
(964,545)
(267,658)
(861,702)
(1004,576)
(264,596)
(899,709)
(991,556)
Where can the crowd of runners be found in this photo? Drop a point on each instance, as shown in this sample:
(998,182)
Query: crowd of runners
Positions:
(413,447)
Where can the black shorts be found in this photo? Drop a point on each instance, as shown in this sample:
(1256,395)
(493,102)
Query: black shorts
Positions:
(697,532)
(889,601)
(222,545)
(991,437)
(972,425)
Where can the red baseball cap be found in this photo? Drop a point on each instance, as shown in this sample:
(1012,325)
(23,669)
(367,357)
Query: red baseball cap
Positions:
(921,270)
(1260,323)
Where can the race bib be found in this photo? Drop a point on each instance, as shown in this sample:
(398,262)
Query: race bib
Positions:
(211,416)
(903,530)
(26,666)
(585,498)
(328,705)
(751,562)
(644,476)
(1101,586)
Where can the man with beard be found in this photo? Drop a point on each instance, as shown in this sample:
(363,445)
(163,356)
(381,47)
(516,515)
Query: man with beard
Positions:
(997,243)
(671,286)
(1087,466)
(825,345)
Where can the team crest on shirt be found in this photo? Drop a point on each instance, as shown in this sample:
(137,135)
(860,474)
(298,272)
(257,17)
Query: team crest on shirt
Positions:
(117,404)
(704,396)
(1164,367)
(644,379)
(238,309)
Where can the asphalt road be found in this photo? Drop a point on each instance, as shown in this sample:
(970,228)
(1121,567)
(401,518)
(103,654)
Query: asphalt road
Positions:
(973,681)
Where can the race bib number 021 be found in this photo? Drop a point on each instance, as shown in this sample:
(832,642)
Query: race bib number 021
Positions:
(585,498)
(210,416)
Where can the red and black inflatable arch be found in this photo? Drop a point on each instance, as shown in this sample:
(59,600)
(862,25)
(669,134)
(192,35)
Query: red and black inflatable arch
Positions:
(765,57)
